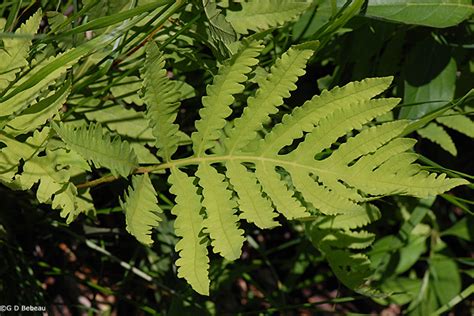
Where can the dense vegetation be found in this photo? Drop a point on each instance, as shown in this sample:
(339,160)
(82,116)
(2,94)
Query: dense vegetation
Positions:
(237,157)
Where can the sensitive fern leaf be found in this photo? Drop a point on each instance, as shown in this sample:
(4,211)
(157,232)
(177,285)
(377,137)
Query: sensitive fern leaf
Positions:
(141,208)
(325,160)
(193,263)
(263,14)
(93,145)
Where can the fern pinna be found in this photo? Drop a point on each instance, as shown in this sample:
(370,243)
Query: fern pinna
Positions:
(323,162)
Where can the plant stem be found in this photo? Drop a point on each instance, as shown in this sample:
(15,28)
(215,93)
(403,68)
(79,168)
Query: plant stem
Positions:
(208,159)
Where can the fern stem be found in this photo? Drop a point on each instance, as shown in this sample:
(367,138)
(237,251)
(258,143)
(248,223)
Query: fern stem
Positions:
(208,159)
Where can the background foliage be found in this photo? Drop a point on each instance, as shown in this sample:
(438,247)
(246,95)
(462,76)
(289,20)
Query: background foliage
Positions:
(85,62)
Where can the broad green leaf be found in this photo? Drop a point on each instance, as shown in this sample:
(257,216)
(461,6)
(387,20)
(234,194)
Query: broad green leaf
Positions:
(462,229)
(409,255)
(430,75)
(446,278)
(402,290)
(434,13)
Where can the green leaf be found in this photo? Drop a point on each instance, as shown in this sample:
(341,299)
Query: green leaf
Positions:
(52,175)
(141,208)
(193,263)
(438,135)
(15,50)
(221,32)
(273,89)
(255,208)
(162,100)
(221,222)
(446,278)
(434,13)
(93,145)
(402,290)
(15,151)
(458,122)
(461,229)
(430,75)
(26,96)
(127,89)
(323,162)
(227,83)
(409,255)
(37,114)
(125,122)
(264,14)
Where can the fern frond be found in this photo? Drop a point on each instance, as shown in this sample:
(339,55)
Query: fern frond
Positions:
(255,208)
(340,122)
(193,263)
(42,170)
(321,162)
(264,14)
(437,134)
(458,122)
(355,219)
(221,222)
(276,86)
(15,50)
(281,196)
(220,95)
(348,239)
(141,208)
(66,200)
(366,142)
(54,188)
(162,101)
(351,268)
(304,118)
(37,114)
(15,150)
(93,145)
